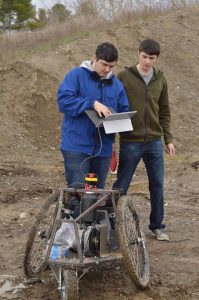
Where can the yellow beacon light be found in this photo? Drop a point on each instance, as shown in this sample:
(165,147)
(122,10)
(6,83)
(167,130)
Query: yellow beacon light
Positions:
(91,180)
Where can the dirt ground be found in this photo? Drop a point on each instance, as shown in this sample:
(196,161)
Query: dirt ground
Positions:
(31,164)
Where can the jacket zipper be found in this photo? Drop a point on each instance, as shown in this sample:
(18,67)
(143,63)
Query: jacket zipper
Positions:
(145,106)
(145,113)
(96,134)
(100,86)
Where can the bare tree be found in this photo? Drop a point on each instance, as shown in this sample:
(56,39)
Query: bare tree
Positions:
(110,8)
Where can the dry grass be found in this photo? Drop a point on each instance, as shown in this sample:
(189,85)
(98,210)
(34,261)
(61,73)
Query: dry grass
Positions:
(16,45)
(144,11)
(19,44)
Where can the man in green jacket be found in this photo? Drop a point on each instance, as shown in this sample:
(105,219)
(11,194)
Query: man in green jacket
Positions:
(147,93)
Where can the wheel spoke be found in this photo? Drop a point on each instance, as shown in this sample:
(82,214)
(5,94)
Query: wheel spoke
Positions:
(36,247)
(132,242)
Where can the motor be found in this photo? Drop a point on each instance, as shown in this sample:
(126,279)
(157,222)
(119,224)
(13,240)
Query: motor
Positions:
(89,237)
(90,241)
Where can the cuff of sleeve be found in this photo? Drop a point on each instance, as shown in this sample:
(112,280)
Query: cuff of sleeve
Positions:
(92,103)
(168,141)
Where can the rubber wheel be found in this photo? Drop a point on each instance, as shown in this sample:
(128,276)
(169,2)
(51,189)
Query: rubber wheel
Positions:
(36,246)
(132,242)
(70,285)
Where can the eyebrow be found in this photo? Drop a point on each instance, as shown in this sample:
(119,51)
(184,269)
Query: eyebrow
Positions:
(149,55)
(107,64)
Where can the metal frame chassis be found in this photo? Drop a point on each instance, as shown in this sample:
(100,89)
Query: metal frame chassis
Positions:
(81,262)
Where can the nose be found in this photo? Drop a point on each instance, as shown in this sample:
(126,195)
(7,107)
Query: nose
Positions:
(148,60)
(107,68)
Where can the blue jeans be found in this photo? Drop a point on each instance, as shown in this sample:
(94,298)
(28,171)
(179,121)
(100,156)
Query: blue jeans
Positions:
(77,165)
(152,155)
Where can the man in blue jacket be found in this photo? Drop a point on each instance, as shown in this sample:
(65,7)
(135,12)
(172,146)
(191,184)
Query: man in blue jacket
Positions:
(92,85)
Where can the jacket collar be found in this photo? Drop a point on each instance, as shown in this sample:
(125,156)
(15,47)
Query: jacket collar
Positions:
(96,77)
(87,64)
(133,69)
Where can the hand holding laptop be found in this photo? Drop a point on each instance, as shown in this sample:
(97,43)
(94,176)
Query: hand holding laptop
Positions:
(113,122)
(101,109)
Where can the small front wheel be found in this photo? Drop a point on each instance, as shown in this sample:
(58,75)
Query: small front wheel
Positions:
(70,285)
(132,242)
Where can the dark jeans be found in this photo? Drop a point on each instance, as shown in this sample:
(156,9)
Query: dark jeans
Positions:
(77,165)
(152,155)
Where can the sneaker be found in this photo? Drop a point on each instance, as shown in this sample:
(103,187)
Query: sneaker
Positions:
(160,235)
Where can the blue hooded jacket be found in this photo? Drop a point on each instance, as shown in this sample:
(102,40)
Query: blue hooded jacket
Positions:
(78,92)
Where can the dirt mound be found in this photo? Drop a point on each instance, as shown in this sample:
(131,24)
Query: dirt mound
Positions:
(30,120)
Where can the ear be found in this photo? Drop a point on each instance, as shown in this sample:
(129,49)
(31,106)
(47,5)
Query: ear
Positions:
(94,58)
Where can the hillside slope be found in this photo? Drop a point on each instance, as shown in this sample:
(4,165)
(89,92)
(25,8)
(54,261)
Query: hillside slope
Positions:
(27,88)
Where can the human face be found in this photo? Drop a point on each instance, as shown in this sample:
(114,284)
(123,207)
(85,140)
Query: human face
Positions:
(146,62)
(102,67)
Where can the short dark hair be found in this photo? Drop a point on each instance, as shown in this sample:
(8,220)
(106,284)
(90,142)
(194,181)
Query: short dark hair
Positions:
(107,52)
(150,47)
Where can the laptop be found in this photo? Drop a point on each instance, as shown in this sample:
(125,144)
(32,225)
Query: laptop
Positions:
(116,122)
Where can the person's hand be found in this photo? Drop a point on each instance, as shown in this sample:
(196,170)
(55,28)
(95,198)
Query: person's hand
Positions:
(101,109)
(170,149)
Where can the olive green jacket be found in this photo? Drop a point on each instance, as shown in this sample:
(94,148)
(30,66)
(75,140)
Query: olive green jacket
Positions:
(151,103)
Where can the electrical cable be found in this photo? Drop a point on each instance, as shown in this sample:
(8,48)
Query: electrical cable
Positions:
(90,157)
